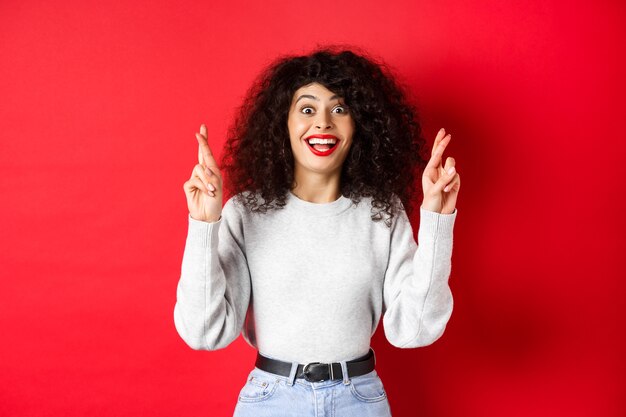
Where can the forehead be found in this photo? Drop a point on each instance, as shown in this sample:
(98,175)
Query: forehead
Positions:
(315,89)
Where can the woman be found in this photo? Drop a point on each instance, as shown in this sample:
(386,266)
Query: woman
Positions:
(315,245)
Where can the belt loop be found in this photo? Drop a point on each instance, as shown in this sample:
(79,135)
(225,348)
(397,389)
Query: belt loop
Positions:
(292,374)
(344,371)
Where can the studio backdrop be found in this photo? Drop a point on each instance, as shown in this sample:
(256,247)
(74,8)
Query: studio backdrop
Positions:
(99,103)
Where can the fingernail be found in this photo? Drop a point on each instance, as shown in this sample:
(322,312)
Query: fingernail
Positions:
(211,187)
(451,171)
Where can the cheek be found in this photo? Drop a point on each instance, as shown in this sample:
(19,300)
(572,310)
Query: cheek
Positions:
(294,133)
(297,128)
(348,128)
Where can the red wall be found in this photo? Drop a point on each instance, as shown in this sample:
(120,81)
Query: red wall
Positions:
(98,109)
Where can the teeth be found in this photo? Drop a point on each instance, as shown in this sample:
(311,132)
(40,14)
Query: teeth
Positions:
(319,141)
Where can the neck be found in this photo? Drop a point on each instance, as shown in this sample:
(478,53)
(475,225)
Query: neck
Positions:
(316,187)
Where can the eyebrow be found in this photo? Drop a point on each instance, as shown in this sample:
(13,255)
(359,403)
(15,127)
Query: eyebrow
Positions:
(315,98)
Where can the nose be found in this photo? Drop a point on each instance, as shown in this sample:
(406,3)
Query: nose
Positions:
(323,121)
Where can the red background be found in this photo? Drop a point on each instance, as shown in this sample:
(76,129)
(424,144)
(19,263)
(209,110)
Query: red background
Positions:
(98,109)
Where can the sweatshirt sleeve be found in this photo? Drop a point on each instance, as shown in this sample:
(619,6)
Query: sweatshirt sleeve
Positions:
(214,288)
(417,301)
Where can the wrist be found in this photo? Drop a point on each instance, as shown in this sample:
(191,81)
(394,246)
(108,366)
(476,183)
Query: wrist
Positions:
(430,207)
(206,220)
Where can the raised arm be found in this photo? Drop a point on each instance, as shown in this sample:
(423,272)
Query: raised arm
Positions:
(214,288)
(417,300)
(213,292)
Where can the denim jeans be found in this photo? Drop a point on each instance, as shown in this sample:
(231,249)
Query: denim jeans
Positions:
(266,394)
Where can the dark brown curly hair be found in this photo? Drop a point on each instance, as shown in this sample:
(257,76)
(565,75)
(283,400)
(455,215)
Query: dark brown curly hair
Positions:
(385,155)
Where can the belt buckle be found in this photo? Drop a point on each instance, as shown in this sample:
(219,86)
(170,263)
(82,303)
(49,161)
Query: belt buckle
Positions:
(306,374)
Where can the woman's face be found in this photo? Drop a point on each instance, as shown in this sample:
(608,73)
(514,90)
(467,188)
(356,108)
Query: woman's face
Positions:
(318,114)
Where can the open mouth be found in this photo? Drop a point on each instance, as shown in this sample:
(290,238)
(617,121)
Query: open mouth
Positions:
(322,147)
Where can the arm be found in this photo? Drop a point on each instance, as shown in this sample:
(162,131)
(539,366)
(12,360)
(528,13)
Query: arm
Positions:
(417,301)
(214,287)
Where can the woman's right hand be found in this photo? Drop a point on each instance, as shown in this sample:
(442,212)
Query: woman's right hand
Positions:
(204,188)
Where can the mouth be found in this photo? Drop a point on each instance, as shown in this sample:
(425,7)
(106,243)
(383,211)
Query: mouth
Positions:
(322,145)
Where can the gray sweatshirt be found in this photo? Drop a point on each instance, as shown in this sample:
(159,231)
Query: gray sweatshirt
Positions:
(311,281)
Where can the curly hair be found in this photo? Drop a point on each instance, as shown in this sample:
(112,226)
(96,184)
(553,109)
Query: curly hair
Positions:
(385,155)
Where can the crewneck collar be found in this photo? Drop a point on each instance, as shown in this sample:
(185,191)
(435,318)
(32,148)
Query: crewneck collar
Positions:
(319,209)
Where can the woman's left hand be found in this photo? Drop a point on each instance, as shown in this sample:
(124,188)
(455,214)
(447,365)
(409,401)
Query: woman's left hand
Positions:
(440,186)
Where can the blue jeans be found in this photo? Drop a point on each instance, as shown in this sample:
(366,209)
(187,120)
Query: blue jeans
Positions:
(266,394)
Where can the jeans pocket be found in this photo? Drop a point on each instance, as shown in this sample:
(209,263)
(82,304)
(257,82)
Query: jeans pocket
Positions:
(259,386)
(368,388)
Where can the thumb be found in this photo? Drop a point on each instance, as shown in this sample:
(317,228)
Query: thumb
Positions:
(445,179)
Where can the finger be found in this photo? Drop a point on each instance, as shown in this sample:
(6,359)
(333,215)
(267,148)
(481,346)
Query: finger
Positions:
(441,146)
(445,179)
(205,156)
(214,175)
(455,183)
(201,186)
(452,186)
(197,183)
(435,159)
(200,153)
(193,184)
(200,171)
(204,135)
(440,135)
(450,162)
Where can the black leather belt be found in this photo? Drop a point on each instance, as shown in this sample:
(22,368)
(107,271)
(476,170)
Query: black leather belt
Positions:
(316,371)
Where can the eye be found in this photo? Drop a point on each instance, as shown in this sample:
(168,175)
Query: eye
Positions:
(310,110)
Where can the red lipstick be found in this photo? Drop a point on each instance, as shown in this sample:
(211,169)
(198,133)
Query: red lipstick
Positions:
(331,148)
